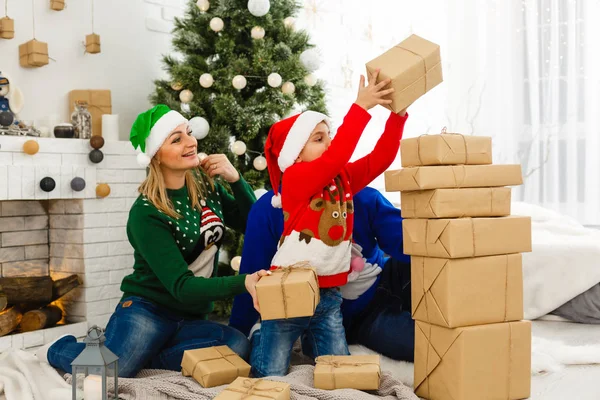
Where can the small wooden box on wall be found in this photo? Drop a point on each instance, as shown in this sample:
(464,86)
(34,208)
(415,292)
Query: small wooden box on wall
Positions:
(57,5)
(33,54)
(92,44)
(7,28)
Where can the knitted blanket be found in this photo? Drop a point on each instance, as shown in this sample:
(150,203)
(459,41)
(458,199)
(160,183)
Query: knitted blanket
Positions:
(166,385)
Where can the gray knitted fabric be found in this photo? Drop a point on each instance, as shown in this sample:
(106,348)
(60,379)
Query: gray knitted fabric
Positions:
(167,385)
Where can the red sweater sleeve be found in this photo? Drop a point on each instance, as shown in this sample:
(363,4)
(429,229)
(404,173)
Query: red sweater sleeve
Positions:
(307,178)
(365,170)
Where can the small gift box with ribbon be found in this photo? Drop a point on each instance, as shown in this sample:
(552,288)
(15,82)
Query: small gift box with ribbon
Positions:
(347,372)
(213,366)
(57,5)
(467,291)
(288,293)
(414,66)
(446,149)
(92,43)
(7,28)
(33,54)
(473,363)
(255,389)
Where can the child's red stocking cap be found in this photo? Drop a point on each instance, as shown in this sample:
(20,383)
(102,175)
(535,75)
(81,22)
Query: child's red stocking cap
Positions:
(285,143)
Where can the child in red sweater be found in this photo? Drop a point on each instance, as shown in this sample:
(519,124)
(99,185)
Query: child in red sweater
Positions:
(317,188)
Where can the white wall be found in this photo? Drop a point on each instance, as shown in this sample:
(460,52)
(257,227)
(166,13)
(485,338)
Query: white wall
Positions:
(130,59)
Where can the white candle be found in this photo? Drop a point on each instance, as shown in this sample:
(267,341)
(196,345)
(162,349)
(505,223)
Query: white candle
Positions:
(92,387)
(110,127)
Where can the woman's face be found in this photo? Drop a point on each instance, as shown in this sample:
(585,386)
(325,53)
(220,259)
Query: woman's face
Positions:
(178,152)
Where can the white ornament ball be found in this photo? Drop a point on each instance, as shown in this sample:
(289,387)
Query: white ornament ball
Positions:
(185,107)
(260,192)
(217,24)
(258,32)
(238,147)
(274,79)
(206,80)
(288,88)
(259,8)
(311,59)
(176,86)
(289,22)
(186,96)
(199,126)
(235,263)
(310,80)
(202,156)
(203,5)
(239,82)
(260,163)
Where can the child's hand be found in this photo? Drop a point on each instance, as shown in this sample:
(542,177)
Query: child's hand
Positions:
(402,113)
(251,281)
(373,94)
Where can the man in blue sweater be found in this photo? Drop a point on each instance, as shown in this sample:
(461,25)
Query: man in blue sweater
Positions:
(376,307)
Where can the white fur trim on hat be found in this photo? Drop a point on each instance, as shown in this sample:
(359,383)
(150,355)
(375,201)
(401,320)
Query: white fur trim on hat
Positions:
(160,131)
(298,136)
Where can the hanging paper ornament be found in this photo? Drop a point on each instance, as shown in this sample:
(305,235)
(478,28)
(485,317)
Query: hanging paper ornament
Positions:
(260,163)
(239,82)
(203,5)
(257,32)
(96,156)
(185,107)
(259,8)
(202,156)
(217,24)
(47,184)
(288,88)
(77,184)
(289,22)
(311,59)
(206,80)
(186,96)
(31,147)
(274,79)
(238,147)
(310,80)
(235,263)
(7,27)
(102,190)
(97,142)
(177,86)
(199,127)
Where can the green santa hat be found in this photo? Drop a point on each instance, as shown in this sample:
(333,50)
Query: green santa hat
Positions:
(150,130)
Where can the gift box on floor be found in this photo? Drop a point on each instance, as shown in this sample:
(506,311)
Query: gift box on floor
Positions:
(288,293)
(33,54)
(414,66)
(213,366)
(466,237)
(7,28)
(481,362)
(99,103)
(446,149)
(255,389)
(456,203)
(467,291)
(347,372)
(452,176)
(92,43)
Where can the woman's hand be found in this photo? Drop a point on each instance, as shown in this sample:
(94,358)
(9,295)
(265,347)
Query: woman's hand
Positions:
(251,281)
(373,94)
(219,164)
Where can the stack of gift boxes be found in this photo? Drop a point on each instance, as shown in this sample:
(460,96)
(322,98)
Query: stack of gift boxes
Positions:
(467,283)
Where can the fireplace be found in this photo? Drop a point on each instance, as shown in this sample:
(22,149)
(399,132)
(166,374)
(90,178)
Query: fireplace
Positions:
(65,237)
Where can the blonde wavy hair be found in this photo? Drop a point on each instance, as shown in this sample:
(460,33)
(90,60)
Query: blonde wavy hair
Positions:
(155,190)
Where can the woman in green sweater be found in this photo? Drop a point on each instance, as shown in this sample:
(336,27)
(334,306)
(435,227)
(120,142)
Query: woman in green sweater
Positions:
(175,226)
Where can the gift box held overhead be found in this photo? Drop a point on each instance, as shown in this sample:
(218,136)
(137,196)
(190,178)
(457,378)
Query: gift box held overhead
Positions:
(446,149)
(347,372)
(213,366)
(414,66)
(255,389)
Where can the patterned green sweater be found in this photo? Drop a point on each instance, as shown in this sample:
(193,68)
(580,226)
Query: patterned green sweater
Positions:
(176,259)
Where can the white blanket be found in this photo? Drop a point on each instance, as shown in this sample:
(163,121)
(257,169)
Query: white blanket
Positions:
(564,263)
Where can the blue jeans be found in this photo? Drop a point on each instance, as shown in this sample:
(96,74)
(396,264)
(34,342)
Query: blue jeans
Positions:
(145,335)
(386,325)
(322,334)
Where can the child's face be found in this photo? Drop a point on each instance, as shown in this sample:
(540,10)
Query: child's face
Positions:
(318,142)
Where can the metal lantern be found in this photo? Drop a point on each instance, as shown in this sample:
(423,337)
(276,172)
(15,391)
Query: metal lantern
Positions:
(97,359)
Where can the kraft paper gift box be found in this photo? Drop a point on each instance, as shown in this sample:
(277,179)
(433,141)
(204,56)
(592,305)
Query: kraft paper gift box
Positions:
(288,293)
(92,43)
(347,372)
(466,237)
(456,203)
(33,54)
(467,291)
(7,28)
(452,176)
(57,5)
(482,362)
(213,366)
(255,389)
(446,149)
(99,103)
(414,66)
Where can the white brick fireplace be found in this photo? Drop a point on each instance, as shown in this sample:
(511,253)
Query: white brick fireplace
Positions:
(64,231)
